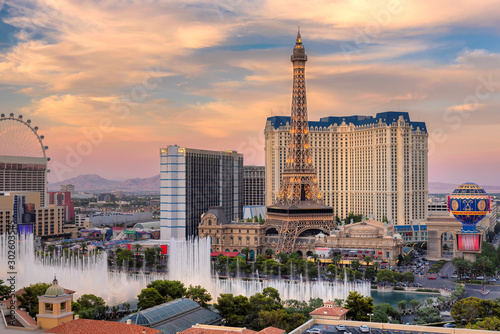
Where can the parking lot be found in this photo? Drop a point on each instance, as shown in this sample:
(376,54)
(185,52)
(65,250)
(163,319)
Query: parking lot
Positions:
(355,330)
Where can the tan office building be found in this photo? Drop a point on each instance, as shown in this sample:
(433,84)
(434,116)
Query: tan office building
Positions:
(374,166)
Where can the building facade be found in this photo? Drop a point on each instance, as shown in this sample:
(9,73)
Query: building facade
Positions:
(232,236)
(254,185)
(63,198)
(366,165)
(24,174)
(24,208)
(356,241)
(67,187)
(191,181)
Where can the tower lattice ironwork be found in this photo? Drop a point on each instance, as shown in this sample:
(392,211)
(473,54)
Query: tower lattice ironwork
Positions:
(299,206)
(299,182)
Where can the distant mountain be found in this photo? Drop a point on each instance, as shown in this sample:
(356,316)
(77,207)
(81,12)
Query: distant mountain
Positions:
(95,183)
(446,188)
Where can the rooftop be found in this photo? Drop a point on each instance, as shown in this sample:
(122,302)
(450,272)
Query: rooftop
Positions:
(387,117)
(86,326)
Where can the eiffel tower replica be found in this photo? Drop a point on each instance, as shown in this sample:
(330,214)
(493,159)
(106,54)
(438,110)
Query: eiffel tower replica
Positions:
(299,206)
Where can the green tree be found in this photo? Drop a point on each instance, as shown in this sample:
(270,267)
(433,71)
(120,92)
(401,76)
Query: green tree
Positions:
(385,276)
(125,258)
(4,290)
(408,277)
(269,252)
(489,324)
(149,297)
(199,295)
(169,290)
(359,306)
(468,309)
(281,319)
(29,298)
(355,264)
(233,309)
(150,256)
(245,251)
(463,266)
(428,315)
(402,305)
(415,305)
(91,306)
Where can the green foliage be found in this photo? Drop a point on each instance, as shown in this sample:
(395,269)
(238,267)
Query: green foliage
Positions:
(382,312)
(4,290)
(29,298)
(281,319)
(408,277)
(124,257)
(402,305)
(489,324)
(149,297)
(436,267)
(428,315)
(169,290)
(199,295)
(415,304)
(91,306)
(385,276)
(359,306)
(472,308)
(150,256)
(262,310)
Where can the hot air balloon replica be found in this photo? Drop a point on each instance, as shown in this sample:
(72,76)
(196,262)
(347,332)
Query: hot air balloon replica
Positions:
(469,203)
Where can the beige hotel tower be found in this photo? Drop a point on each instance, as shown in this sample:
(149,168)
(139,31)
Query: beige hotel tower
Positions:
(374,166)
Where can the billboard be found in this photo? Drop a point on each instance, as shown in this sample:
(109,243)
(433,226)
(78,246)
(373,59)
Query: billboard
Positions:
(469,242)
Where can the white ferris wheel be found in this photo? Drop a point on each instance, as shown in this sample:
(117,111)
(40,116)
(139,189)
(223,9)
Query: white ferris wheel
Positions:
(19,138)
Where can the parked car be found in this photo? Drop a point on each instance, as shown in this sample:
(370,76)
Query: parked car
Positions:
(480,278)
(449,325)
(314,331)
(431,277)
(493,280)
(444,276)
(364,329)
(454,276)
(340,327)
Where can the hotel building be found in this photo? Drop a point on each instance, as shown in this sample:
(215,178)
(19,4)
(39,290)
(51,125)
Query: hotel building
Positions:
(374,166)
(192,181)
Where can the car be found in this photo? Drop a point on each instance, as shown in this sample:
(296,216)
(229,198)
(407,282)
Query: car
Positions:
(424,259)
(480,278)
(444,276)
(314,331)
(359,281)
(449,325)
(364,329)
(431,277)
(493,280)
(454,276)
(340,327)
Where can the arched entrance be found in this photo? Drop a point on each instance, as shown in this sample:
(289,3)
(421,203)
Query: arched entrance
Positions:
(300,253)
(447,245)
(251,255)
(309,253)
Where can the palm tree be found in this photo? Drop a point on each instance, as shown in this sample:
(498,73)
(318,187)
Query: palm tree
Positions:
(269,252)
(368,259)
(415,305)
(245,251)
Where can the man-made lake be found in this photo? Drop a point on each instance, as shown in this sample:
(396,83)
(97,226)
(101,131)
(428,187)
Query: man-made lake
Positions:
(392,298)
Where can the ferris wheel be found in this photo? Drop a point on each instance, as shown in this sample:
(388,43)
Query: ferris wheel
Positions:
(19,138)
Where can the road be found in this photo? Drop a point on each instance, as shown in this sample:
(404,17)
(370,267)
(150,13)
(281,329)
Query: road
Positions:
(356,330)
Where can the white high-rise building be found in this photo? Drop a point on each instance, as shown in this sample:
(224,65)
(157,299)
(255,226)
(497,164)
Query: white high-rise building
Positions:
(374,166)
(192,181)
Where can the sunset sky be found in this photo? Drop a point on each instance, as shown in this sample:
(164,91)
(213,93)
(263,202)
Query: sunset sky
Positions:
(139,75)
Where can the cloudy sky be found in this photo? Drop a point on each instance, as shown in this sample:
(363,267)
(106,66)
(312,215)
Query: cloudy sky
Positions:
(110,82)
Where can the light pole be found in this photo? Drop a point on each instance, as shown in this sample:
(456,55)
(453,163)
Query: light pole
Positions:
(370,314)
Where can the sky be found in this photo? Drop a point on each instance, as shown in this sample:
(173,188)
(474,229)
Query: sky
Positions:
(110,82)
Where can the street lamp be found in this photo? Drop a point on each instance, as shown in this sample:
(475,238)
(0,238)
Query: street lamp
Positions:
(370,314)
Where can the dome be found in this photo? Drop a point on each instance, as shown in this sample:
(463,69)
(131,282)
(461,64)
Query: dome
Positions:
(469,203)
(55,290)
(469,188)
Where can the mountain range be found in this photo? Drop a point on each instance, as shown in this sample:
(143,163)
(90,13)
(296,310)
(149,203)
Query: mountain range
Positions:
(96,183)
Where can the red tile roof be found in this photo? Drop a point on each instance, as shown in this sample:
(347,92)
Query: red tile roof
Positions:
(272,330)
(23,314)
(330,311)
(86,326)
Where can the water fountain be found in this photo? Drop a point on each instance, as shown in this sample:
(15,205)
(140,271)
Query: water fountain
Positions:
(189,262)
